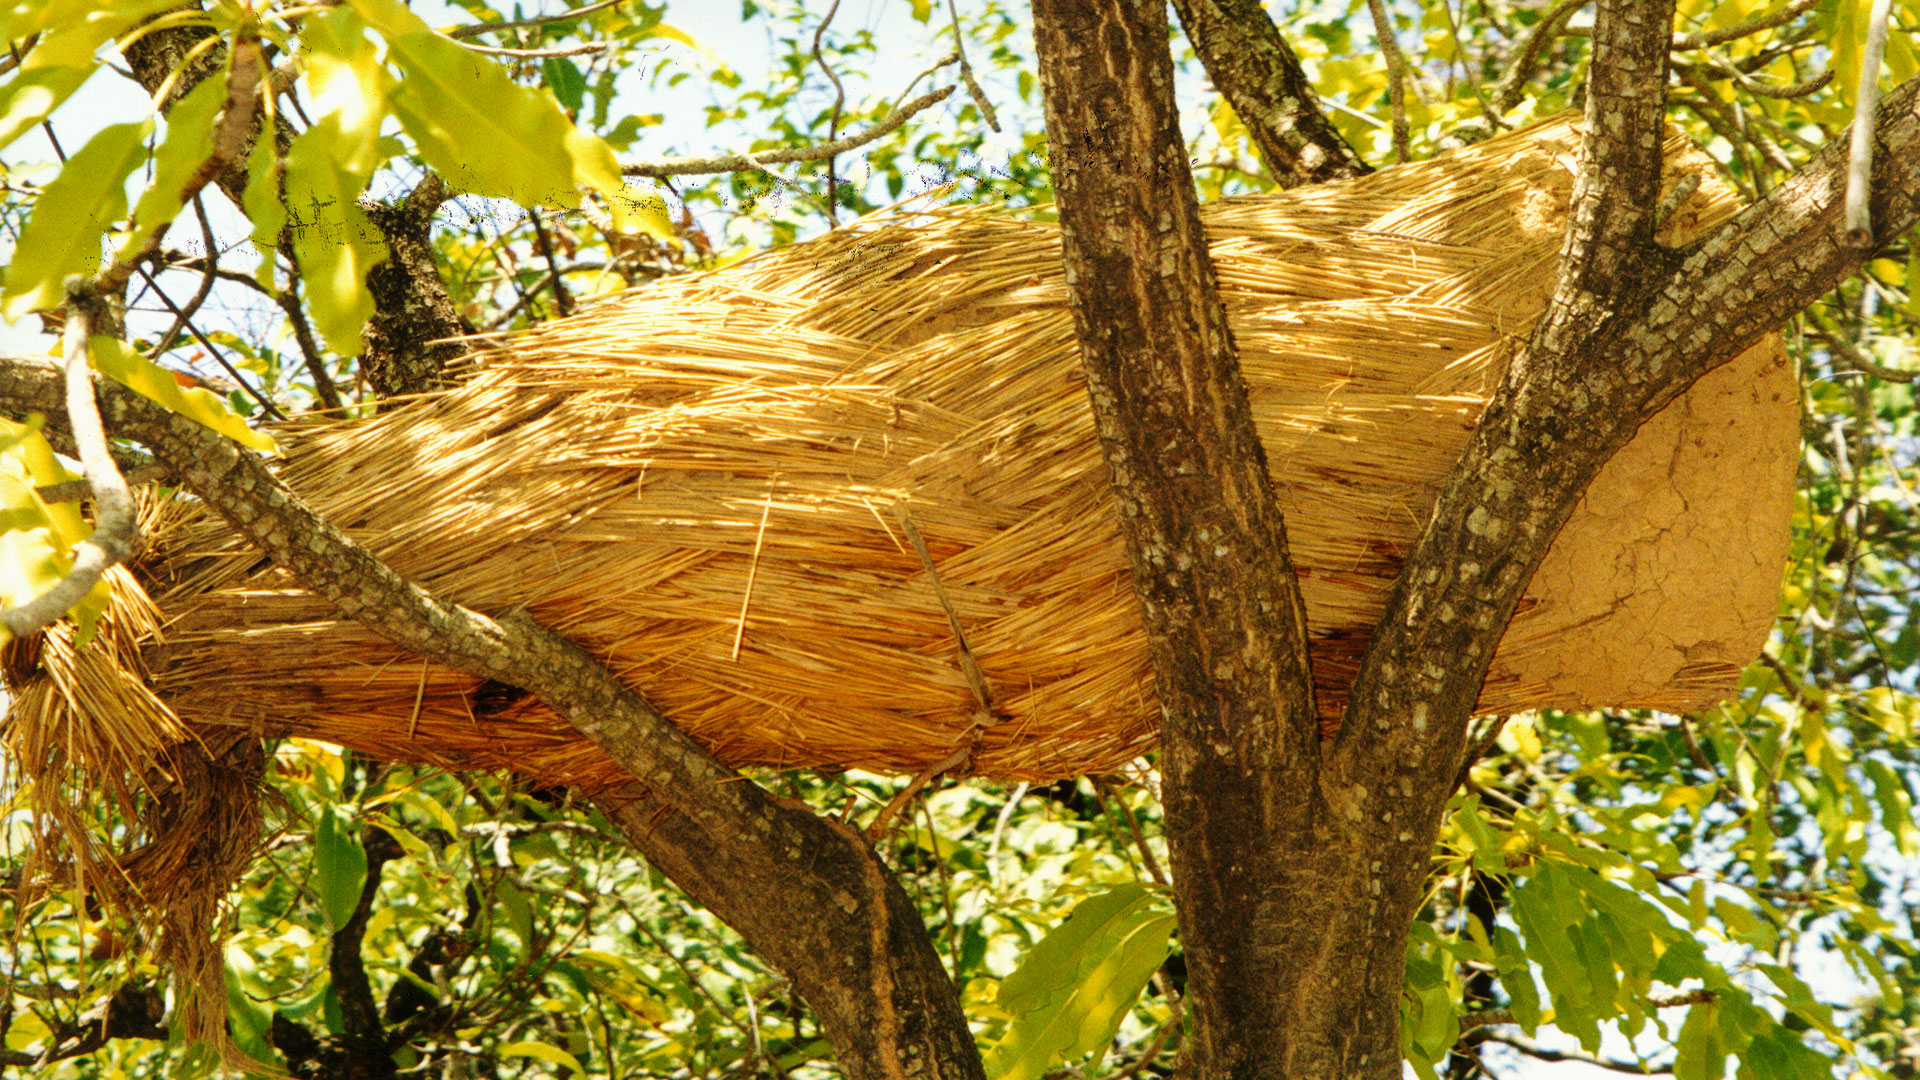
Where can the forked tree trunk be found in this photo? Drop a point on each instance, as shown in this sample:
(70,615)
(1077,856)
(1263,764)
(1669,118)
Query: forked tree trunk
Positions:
(1294,951)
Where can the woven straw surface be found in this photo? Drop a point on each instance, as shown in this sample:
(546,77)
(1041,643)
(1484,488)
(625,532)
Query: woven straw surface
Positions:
(703,483)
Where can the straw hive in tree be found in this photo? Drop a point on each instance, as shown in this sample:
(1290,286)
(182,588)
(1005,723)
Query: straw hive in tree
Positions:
(723,485)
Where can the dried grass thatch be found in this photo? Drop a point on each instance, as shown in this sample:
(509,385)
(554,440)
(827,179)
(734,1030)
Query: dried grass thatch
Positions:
(698,482)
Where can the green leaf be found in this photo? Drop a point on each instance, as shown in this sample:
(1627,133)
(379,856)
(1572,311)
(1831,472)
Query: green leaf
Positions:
(340,867)
(1516,978)
(519,911)
(349,84)
(114,359)
(261,200)
(333,240)
(1075,985)
(247,1020)
(552,1055)
(37,538)
(66,56)
(63,236)
(189,142)
(1699,1054)
(33,93)
(1549,912)
(477,128)
(564,79)
(485,134)
(1896,806)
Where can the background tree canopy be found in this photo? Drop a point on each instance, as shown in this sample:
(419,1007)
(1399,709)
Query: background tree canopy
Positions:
(1730,890)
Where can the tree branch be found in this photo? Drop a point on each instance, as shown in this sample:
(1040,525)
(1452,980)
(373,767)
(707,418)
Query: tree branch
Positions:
(806,892)
(1631,343)
(1535,1050)
(1225,624)
(1860,141)
(1512,85)
(478,29)
(114,532)
(132,1011)
(1396,75)
(1707,39)
(693,166)
(1252,67)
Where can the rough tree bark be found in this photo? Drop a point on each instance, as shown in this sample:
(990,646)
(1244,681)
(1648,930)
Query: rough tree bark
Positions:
(1205,540)
(1299,864)
(806,892)
(1255,70)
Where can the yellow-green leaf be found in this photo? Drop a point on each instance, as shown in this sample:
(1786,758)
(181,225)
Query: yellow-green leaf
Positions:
(348,83)
(480,130)
(634,211)
(333,240)
(188,143)
(72,214)
(64,58)
(340,867)
(552,1055)
(262,203)
(674,33)
(1075,985)
(137,373)
(36,546)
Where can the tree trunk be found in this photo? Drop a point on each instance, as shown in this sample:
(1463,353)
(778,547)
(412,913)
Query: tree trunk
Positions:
(1294,965)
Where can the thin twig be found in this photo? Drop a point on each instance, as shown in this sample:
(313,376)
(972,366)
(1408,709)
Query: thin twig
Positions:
(561,297)
(1133,827)
(114,531)
(1396,76)
(541,54)
(753,571)
(17,51)
(1513,81)
(695,166)
(839,101)
(1805,88)
(1153,1049)
(978,95)
(1000,829)
(478,29)
(310,353)
(976,679)
(1865,102)
(951,761)
(266,404)
(208,275)
(946,893)
(1708,38)
(1490,1017)
(1850,355)
(229,137)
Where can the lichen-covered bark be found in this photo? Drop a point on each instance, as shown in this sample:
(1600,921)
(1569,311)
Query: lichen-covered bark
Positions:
(1255,69)
(806,892)
(416,334)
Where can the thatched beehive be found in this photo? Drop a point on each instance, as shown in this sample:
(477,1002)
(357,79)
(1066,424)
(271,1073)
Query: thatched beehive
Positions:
(698,482)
